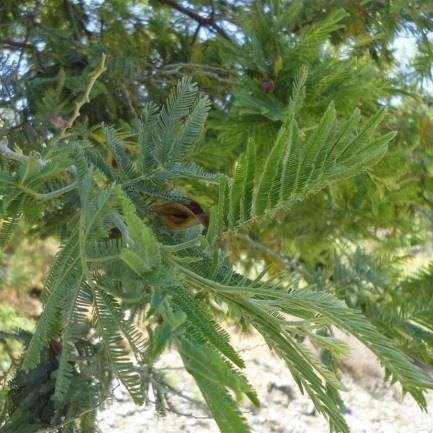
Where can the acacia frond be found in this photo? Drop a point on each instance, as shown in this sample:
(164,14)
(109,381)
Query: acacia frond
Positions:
(122,267)
(297,167)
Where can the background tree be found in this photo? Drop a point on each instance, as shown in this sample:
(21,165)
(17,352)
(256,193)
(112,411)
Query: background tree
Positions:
(297,167)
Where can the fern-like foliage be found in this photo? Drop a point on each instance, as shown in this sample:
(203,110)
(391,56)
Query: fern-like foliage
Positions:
(297,166)
(119,266)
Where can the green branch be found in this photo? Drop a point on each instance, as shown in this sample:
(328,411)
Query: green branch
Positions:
(49,195)
(8,153)
(56,193)
(84,100)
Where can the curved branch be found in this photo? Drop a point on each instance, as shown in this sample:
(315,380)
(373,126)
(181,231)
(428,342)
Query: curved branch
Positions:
(202,21)
(16,44)
(84,100)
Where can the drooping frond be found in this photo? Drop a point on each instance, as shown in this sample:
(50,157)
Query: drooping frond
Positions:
(65,277)
(75,318)
(113,337)
(212,376)
(204,329)
(261,304)
(398,365)
(310,375)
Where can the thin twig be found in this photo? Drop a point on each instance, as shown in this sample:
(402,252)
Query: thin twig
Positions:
(259,246)
(9,335)
(129,101)
(214,77)
(33,20)
(56,193)
(203,21)
(11,44)
(58,35)
(71,17)
(166,388)
(256,346)
(195,35)
(184,414)
(214,72)
(263,248)
(216,69)
(84,100)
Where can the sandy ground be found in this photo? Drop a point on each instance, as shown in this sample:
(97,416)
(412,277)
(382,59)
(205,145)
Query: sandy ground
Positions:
(372,406)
